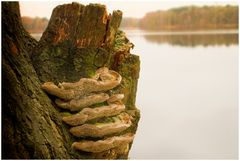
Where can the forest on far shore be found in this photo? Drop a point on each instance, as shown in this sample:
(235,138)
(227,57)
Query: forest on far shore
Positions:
(182,18)
(34,25)
(187,18)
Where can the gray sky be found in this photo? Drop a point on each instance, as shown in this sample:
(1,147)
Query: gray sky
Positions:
(130,8)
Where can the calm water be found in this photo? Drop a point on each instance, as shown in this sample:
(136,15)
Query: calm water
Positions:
(187,94)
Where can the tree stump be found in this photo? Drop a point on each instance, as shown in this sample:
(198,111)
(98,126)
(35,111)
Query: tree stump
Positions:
(78,40)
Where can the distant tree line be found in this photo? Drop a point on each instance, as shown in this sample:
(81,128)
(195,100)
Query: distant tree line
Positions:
(183,18)
(34,25)
(129,22)
(187,18)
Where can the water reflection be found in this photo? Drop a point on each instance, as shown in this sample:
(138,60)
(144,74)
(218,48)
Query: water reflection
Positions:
(193,40)
(188,96)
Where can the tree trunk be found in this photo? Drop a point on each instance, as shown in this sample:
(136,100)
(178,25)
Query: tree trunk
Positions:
(78,40)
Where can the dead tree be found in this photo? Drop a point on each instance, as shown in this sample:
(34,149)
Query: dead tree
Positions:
(78,40)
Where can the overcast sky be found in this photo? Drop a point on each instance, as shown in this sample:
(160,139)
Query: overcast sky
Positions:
(131,8)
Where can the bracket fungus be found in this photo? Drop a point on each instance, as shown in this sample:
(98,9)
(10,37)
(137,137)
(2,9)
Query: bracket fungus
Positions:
(122,122)
(88,98)
(103,145)
(79,103)
(103,80)
(87,114)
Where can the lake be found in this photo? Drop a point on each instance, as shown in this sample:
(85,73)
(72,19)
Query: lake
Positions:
(187,94)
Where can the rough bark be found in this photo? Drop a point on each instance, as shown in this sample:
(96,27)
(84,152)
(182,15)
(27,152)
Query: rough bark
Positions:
(31,125)
(78,40)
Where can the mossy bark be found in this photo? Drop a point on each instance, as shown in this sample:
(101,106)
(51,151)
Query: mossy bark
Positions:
(78,40)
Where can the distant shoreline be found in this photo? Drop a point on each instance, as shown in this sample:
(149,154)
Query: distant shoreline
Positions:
(137,31)
(180,30)
(193,32)
(187,18)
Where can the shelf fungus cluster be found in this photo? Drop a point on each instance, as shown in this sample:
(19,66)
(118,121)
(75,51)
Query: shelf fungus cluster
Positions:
(101,119)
